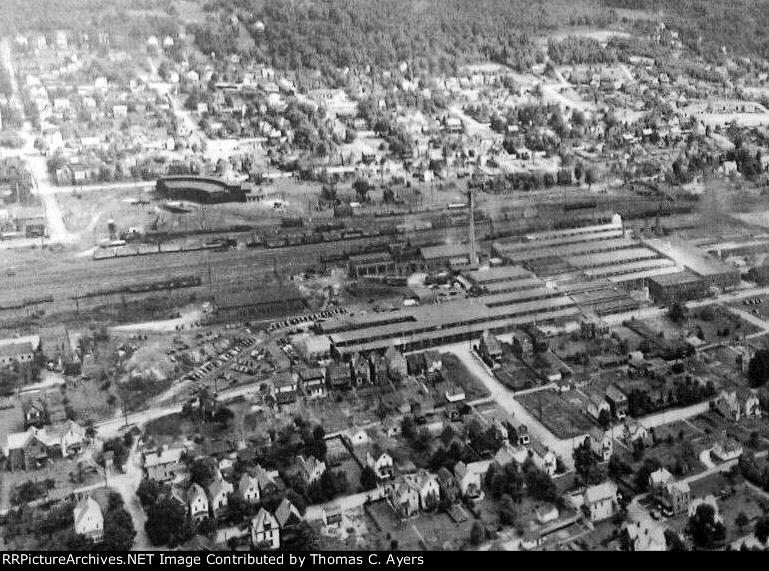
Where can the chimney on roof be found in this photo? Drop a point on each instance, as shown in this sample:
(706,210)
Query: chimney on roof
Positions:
(471,227)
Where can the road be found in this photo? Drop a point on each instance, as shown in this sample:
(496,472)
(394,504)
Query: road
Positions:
(563,448)
(126,484)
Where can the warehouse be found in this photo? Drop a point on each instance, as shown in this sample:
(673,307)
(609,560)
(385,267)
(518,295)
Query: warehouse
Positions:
(500,274)
(452,256)
(376,264)
(425,326)
(612,258)
(203,190)
(266,301)
(711,270)
(629,268)
(566,251)
(682,286)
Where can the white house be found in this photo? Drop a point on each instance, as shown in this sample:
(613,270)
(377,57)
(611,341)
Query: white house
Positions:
(601,443)
(381,462)
(310,469)
(197,502)
(89,520)
(248,489)
(543,457)
(469,482)
(218,495)
(600,502)
(265,530)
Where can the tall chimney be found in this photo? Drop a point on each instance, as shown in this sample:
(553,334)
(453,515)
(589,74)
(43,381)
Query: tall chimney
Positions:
(471,226)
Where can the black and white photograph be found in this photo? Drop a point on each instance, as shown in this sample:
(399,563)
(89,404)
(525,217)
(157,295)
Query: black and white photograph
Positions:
(354,282)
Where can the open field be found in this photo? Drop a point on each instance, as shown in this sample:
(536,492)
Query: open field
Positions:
(558,413)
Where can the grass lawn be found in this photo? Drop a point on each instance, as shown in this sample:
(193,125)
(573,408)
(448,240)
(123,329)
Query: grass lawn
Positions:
(455,373)
(557,413)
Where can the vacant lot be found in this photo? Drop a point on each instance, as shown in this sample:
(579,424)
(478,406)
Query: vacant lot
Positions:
(455,373)
(558,413)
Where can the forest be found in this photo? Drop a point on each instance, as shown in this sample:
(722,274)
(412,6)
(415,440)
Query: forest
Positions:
(434,36)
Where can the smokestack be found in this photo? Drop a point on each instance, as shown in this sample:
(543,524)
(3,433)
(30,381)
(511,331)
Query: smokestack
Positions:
(471,226)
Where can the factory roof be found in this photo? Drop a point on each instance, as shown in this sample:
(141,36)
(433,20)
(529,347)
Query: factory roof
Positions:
(629,267)
(558,240)
(532,252)
(691,257)
(679,278)
(445,251)
(645,274)
(609,258)
(498,275)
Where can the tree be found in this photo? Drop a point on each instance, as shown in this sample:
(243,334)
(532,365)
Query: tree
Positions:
(361,188)
(586,464)
(741,521)
(224,416)
(119,531)
(368,479)
(762,529)
(604,419)
(477,533)
(149,491)
(677,312)
(705,527)
(167,523)
(758,368)
(508,514)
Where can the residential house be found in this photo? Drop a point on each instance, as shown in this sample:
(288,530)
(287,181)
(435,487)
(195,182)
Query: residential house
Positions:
(546,514)
(89,519)
(312,382)
(338,376)
(427,488)
(35,413)
(16,353)
(287,515)
(734,404)
(397,367)
(285,387)
(596,404)
(265,530)
(447,485)
(727,449)
(391,427)
(490,349)
(381,462)
(643,536)
(469,482)
(659,479)
(601,443)
(403,497)
(248,489)
(218,496)
(267,483)
(633,431)
(164,465)
(36,447)
(197,501)
(509,453)
(676,497)
(310,469)
(358,437)
(543,457)
(600,502)
(378,367)
(617,402)
(361,370)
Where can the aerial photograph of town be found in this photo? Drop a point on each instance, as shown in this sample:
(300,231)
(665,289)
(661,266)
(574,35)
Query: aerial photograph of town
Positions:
(384,276)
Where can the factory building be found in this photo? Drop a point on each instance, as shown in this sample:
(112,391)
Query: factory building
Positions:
(682,286)
(203,190)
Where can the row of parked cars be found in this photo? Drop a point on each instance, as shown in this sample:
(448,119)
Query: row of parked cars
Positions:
(223,357)
(299,320)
